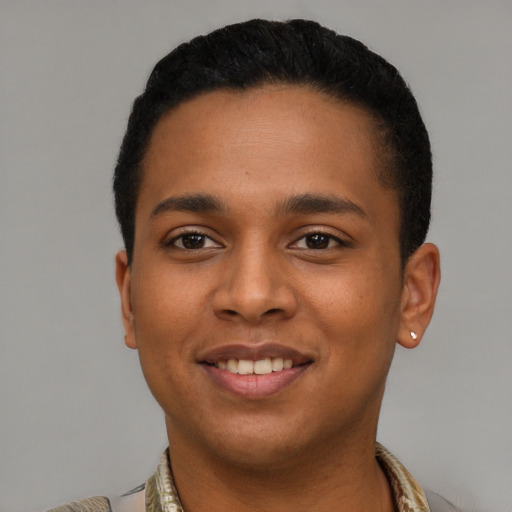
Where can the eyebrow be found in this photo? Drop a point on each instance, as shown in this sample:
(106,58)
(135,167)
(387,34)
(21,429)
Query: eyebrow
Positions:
(195,203)
(311,203)
(302,204)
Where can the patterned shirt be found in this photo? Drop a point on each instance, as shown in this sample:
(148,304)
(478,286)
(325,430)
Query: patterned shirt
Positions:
(161,494)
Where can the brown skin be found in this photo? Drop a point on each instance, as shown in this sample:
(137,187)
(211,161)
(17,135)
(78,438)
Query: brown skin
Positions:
(310,446)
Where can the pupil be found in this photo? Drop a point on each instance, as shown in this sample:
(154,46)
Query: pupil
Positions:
(193,241)
(317,241)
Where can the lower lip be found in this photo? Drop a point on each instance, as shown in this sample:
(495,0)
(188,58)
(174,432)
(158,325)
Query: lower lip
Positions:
(255,386)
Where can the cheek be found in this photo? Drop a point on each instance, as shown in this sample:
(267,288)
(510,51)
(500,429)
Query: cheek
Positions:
(167,312)
(359,312)
(166,318)
(163,295)
(366,296)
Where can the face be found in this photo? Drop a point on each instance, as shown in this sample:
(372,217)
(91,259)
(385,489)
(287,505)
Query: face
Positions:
(265,294)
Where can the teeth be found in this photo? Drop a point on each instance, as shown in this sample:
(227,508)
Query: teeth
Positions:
(263,367)
(245,367)
(277,364)
(260,367)
(232,366)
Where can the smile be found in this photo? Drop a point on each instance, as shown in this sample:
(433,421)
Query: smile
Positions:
(259,367)
(254,372)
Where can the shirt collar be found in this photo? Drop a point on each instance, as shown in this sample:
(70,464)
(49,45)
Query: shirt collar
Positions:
(407,493)
(161,494)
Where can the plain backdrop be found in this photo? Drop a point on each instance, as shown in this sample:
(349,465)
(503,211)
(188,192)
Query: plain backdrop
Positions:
(76,417)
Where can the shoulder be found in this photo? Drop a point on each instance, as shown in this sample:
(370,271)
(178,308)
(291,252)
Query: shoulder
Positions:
(95,504)
(133,501)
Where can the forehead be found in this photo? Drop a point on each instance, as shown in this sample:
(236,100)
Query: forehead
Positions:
(262,143)
(290,114)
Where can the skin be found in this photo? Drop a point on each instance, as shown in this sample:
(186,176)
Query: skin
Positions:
(255,277)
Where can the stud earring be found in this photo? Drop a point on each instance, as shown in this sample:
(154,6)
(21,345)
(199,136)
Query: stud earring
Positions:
(414,335)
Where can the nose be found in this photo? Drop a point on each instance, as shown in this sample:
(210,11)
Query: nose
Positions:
(254,287)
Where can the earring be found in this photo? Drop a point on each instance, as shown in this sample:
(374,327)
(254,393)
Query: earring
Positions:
(414,335)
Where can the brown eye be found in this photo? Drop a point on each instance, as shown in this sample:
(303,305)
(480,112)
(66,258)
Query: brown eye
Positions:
(317,241)
(191,241)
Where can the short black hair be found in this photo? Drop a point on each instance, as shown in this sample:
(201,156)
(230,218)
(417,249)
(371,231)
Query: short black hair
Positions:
(296,52)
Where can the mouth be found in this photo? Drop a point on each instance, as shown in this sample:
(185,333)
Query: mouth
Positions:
(259,367)
(254,372)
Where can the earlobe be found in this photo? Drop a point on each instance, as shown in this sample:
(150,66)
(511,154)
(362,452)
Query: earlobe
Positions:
(123,279)
(421,281)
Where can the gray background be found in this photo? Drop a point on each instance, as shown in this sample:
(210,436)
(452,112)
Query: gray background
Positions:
(76,418)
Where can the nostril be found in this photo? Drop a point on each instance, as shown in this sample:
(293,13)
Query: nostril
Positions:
(272,311)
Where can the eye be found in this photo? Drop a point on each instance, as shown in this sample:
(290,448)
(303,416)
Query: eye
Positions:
(318,241)
(193,241)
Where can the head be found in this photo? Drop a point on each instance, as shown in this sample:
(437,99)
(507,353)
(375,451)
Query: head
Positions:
(298,52)
(264,190)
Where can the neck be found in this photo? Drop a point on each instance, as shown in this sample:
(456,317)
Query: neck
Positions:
(328,477)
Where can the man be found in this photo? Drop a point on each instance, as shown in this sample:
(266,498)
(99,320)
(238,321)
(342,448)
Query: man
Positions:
(273,190)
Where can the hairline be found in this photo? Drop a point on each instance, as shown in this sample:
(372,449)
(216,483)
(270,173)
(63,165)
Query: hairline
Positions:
(384,173)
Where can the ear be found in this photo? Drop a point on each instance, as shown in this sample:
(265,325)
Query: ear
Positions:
(421,281)
(123,278)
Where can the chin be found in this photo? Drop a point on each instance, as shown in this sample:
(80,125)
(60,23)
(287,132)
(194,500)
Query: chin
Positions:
(261,445)
(246,441)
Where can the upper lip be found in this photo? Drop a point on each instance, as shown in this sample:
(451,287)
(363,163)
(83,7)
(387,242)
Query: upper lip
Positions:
(252,352)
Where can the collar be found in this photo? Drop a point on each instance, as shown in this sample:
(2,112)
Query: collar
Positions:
(407,493)
(162,496)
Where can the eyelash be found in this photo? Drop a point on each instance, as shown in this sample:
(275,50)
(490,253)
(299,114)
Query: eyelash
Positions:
(329,238)
(172,243)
